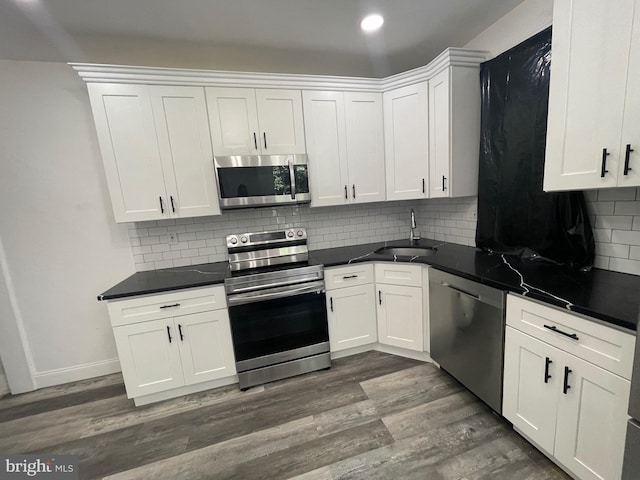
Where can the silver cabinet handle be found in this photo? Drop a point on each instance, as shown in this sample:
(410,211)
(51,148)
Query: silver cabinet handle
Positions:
(292,177)
(459,290)
(252,297)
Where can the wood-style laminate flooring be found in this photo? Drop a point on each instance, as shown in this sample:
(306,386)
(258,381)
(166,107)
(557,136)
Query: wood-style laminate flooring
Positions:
(372,416)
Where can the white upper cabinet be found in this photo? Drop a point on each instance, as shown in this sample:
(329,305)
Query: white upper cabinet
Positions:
(345,145)
(365,146)
(406,142)
(246,121)
(629,169)
(326,135)
(185,150)
(454,132)
(593,96)
(129,146)
(156,150)
(281,122)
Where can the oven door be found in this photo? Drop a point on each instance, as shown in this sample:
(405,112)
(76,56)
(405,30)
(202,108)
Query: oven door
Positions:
(278,324)
(262,180)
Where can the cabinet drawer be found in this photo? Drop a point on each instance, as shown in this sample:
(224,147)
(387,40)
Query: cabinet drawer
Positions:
(350,276)
(164,305)
(399,274)
(606,347)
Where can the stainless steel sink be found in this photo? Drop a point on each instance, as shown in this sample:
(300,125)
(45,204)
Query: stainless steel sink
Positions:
(406,251)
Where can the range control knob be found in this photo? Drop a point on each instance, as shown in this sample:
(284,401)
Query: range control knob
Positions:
(300,233)
(290,233)
(244,239)
(233,240)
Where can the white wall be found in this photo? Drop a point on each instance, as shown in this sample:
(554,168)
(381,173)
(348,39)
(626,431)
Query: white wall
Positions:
(4,386)
(60,242)
(527,19)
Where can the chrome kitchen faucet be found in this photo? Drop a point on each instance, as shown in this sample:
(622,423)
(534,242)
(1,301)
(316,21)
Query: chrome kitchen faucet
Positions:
(413,235)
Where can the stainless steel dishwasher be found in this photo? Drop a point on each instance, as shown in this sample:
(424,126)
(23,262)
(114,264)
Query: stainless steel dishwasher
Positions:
(467,333)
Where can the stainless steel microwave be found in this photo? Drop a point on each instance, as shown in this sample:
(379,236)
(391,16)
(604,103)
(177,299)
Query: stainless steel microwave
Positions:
(261,180)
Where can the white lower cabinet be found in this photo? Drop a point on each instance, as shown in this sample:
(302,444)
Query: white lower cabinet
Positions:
(170,347)
(351,309)
(575,410)
(400,307)
(150,362)
(352,317)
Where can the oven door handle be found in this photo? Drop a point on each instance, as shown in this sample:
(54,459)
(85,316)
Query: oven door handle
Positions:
(272,294)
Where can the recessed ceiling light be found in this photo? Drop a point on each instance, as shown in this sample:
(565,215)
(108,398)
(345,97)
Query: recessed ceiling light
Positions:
(371,23)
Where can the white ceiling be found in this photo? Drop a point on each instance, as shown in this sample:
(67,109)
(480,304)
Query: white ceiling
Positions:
(300,36)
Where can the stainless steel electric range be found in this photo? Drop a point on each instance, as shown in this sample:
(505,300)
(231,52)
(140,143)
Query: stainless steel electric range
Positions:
(277,306)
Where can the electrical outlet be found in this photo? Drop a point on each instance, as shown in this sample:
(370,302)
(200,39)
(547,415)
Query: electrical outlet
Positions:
(173,238)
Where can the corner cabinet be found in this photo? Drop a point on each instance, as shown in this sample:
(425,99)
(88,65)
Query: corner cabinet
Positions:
(344,137)
(156,150)
(406,142)
(400,305)
(247,121)
(566,386)
(351,310)
(174,343)
(593,140)
(432,130)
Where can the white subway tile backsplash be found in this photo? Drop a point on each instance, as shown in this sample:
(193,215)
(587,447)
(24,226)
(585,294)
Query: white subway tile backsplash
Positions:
(601,262)
(602,234)
(625,266)
(616,194)
(612,250)
(615,216)
(614,222)
(628,208)
(602,208)
(624,236)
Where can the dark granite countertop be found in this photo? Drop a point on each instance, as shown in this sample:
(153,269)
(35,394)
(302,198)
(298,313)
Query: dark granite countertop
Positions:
(609,296)
(167,279)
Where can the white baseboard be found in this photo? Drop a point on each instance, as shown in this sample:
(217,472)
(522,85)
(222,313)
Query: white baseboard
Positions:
(78,372)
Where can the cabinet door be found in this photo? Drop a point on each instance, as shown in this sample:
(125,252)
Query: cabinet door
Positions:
(129,146)
(528,401)
(628,177)
(400,321)
(281,122)
(149,357)
(590,53)
(327,147)
(205,346)
(365,146)
(182,126)
(592,420)
(439,135)
(233,121)
(406,142)
(352,317)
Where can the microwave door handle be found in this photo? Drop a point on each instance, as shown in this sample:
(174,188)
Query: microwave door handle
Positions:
(292,177)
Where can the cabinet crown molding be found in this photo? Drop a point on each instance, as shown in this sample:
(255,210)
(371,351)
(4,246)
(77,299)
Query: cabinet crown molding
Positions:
(99,73)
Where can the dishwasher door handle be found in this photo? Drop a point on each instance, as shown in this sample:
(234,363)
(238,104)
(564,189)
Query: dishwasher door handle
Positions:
(459,290)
